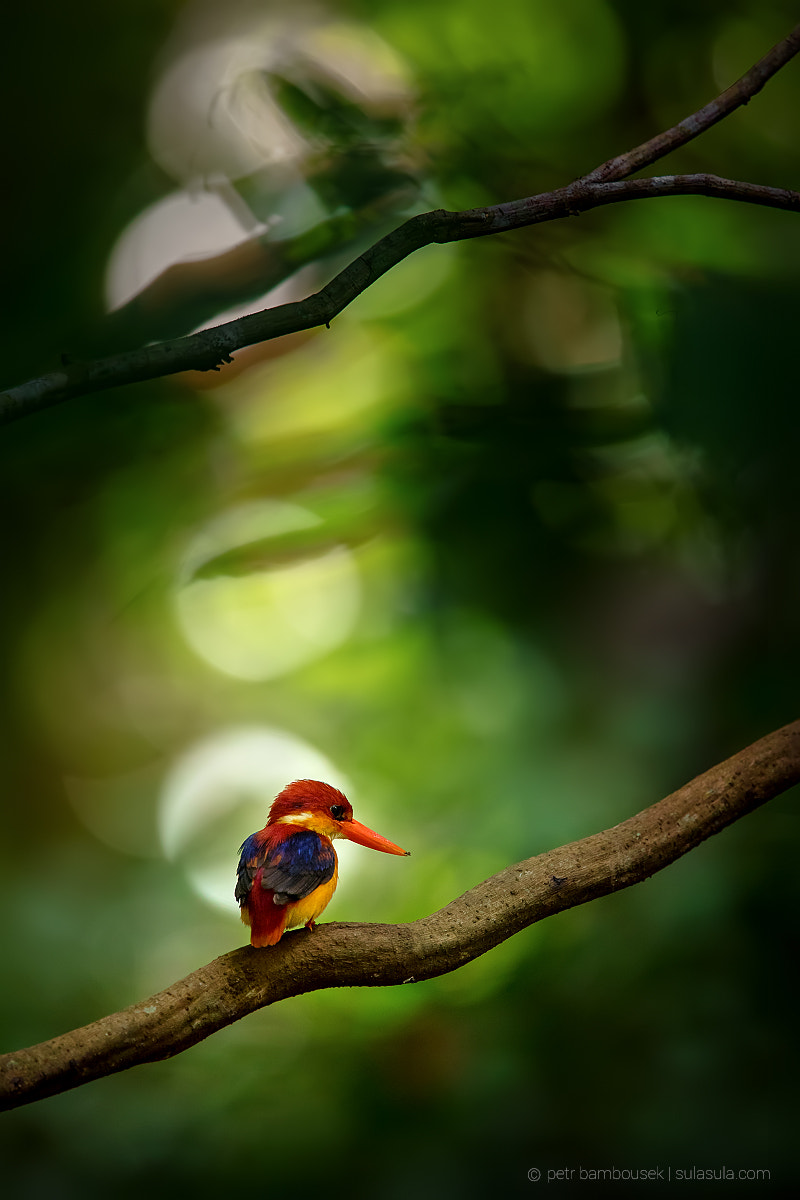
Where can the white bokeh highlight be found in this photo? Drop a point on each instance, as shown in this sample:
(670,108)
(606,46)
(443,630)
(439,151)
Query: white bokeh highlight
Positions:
(220,790)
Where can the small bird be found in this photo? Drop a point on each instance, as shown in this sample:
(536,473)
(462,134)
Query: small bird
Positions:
(288,870)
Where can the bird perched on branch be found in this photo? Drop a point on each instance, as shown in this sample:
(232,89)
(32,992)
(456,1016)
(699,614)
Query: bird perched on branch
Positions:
(288,870)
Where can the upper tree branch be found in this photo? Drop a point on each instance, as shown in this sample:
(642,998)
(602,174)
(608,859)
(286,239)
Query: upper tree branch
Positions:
(207,350)
(350,955)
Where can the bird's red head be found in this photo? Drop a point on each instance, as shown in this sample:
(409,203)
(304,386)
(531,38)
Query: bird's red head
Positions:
(310,804)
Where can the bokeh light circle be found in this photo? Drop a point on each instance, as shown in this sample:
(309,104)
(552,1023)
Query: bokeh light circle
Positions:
(264,623)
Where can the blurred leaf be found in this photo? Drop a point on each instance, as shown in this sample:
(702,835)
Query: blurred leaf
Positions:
(324,113)
(347,516)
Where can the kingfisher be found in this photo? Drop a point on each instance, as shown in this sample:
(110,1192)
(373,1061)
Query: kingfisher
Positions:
(288,870)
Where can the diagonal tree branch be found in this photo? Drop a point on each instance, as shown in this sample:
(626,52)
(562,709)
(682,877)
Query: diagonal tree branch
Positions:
(605,185)
(354,955)
(691,127)
(205,351)
(193,291)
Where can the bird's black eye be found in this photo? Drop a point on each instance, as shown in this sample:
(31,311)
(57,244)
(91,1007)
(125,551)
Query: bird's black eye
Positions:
(337,812)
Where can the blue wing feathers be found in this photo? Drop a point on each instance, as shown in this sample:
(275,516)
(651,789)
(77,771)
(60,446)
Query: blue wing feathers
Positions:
(293,868)
(251,859)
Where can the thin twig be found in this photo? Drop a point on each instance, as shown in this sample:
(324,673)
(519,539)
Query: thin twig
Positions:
(207,350)
(691,127)
(188,293)
(352,955)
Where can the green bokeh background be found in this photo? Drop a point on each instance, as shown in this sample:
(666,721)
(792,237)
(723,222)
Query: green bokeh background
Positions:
(564,462)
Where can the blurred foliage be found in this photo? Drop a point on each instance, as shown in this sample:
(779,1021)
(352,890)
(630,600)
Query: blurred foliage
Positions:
(512,548)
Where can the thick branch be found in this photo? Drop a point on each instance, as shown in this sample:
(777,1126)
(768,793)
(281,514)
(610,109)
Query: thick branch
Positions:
(691,127)
(352,955)
(207,350)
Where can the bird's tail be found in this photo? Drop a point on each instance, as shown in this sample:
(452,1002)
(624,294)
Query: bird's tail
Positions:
(267,920)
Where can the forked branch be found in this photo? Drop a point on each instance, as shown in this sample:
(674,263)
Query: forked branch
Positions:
(355,955)
(607,184)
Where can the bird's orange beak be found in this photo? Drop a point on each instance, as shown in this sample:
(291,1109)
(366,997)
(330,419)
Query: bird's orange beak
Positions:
(354,831)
